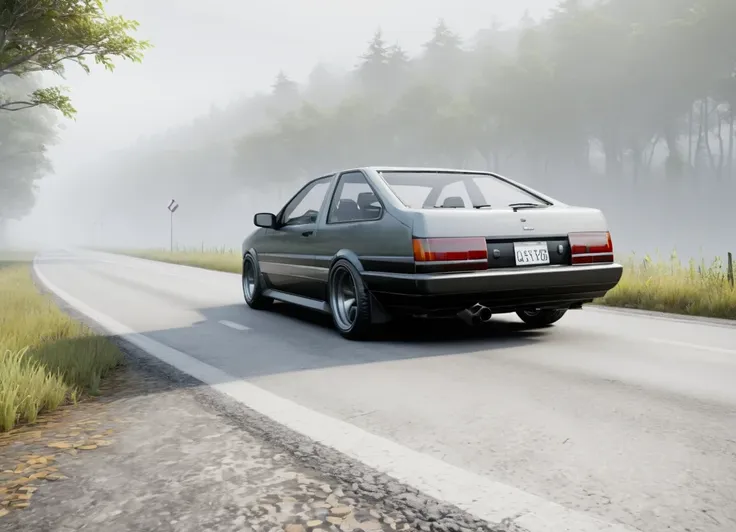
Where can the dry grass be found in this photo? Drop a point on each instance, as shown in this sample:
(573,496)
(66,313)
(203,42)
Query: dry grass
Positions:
(46,358)
(696,289)
(224,260)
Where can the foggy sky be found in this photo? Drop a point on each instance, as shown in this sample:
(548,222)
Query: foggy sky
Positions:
(207,53)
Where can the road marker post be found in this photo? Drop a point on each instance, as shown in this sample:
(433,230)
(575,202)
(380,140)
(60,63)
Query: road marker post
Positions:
(172,209)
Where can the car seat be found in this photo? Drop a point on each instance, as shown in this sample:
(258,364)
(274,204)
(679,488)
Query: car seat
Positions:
(347,209)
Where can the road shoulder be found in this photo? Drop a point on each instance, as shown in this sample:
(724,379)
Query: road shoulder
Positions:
(177,455)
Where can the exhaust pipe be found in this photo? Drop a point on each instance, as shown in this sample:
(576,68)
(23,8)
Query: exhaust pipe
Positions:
(475,309)
(485,314)
(476,313)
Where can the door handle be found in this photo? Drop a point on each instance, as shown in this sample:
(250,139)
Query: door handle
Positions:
(307,233)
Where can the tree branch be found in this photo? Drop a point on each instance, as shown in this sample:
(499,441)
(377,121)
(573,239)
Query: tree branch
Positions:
(6,69)
(75,57)
(19,105)
(3,38)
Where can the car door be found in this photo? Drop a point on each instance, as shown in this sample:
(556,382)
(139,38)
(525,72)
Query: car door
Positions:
(288,262)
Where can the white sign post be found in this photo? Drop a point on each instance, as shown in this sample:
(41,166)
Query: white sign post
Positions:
(172,209)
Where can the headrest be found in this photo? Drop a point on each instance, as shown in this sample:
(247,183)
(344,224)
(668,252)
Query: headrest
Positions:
(347,204)
(366,199)
(453,202)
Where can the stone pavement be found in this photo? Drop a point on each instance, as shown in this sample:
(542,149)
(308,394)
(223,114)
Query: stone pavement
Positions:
(159,452)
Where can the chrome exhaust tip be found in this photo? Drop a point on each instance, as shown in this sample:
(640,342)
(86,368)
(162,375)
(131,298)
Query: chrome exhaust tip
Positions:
(476,313)
(476,309)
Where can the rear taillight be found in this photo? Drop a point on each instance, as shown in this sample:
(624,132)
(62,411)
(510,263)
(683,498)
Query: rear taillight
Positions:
(451,250)
(591,248)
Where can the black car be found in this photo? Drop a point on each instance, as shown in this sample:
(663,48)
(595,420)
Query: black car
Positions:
(370,244)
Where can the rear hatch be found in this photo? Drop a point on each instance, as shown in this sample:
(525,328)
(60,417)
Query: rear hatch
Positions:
(527,237)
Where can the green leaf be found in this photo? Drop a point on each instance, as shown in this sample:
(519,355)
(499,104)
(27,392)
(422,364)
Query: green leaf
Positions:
(47,35)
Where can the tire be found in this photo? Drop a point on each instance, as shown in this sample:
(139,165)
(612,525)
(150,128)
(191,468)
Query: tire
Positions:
(252,284)
(353,321)
(541,317)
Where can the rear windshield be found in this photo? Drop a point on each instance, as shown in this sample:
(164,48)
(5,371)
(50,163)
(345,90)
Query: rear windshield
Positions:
(429,190)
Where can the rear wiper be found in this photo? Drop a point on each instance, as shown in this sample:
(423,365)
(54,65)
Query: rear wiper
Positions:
(527,205)
(461,207)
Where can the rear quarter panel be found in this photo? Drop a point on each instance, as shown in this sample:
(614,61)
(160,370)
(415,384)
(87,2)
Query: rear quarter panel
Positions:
(382,245)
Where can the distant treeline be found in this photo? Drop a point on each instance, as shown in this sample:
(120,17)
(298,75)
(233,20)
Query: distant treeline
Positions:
(632,91)
(624,87)
(622,77)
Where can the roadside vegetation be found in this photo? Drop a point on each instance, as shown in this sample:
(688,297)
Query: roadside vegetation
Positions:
(692,288)
(222,259)
(46,358)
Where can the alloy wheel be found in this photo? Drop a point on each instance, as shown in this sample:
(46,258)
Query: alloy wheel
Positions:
(343,299)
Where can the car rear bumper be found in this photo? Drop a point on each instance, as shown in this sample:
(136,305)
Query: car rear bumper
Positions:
(501,290)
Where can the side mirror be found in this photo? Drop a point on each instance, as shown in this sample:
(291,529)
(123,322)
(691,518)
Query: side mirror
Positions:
(265,219)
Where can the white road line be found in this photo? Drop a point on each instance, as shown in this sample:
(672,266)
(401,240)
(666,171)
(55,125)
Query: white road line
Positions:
(663,316)
(476,494)
(712,349)
(234,325)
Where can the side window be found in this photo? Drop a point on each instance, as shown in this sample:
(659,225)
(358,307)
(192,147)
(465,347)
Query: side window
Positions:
(354,200)
(305,208)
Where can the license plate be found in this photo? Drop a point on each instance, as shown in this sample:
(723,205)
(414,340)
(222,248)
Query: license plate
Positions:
(528,253)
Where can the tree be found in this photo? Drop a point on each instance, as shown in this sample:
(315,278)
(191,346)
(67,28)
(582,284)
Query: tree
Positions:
(443,58)
(45,35)
(374,67)
(324,87)
(527,22)
(284,94)
(398,70)
(444,42)
(24,139)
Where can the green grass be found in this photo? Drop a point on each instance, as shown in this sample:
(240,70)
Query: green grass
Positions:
(696,289)
(46,358)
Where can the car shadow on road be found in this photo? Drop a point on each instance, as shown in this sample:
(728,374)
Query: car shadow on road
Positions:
(420,331)
(288,339)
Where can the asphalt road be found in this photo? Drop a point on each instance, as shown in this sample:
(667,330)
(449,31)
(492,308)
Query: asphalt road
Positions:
(627,417)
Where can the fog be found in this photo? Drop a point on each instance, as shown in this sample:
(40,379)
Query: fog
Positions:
(238,103)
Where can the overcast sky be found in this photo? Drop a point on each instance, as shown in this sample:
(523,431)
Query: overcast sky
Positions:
(211,52)
(207,53)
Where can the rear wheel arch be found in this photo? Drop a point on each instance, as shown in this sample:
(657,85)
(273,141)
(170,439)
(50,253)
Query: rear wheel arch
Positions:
(358,325)
(349,256)
(379,314)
